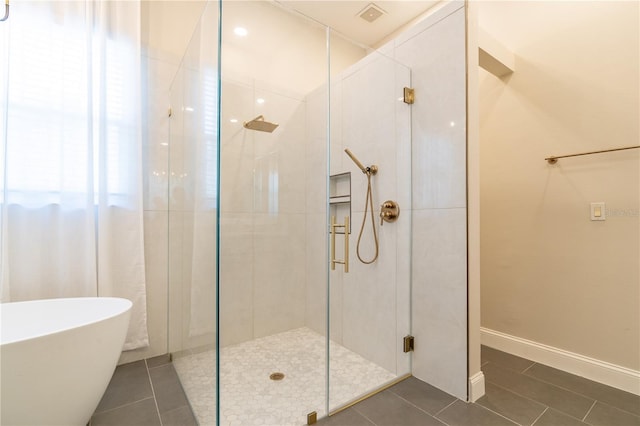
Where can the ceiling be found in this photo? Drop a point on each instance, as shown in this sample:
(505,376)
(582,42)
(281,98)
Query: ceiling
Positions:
(343,16)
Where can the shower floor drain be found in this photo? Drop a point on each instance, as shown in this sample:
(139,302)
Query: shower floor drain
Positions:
(276,376)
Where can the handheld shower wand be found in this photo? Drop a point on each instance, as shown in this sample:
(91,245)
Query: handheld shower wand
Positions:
(368,206)
(373,169)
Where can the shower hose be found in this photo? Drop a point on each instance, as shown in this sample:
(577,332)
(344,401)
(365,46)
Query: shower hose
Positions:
(368,206)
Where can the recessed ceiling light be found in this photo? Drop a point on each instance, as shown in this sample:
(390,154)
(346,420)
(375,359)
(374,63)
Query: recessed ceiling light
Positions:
(371,13)
(240,31)
(260,100)
(234,120)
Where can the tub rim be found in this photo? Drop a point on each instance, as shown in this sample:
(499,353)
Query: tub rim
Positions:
(121,306)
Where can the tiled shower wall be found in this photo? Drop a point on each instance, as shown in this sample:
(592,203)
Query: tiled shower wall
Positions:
(435,51)
(434,195)
(369,305)
(263,213)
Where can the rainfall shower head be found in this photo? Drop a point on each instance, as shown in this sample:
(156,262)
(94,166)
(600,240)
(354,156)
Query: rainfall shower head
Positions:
(260,125)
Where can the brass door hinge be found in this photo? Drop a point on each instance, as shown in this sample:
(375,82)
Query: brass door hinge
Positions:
(409,95)
(408,343)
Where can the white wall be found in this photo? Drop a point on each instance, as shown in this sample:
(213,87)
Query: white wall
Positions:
(549,273)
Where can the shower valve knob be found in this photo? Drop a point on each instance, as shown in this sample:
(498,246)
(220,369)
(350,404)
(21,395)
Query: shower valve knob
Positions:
(389,212)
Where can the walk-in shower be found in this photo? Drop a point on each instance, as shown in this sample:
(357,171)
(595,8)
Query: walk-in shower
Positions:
(252,294)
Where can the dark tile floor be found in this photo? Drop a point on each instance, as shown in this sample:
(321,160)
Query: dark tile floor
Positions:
(144,393)
(518,392)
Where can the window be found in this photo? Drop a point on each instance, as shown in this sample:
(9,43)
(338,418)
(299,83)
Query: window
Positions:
(70,118)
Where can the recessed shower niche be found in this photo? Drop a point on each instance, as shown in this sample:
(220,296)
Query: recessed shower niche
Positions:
(340,196)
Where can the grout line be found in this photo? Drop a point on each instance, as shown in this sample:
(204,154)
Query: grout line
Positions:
(438,413)
(538,418)
(362,414)
(120,406)
(560,387)
(499,414)
(520,395)
(153,392)
(442,421)
(415,406)
(550,384)
(526,369)
(592,405)
(617,408)
(157,366)
(540,402)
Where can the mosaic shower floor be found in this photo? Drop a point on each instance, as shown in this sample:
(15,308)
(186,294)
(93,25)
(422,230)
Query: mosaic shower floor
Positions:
(249,397)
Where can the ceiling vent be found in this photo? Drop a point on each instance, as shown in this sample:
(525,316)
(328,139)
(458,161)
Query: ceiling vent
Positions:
(371,13)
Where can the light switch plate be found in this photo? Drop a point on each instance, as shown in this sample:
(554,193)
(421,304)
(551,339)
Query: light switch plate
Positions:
(598,211)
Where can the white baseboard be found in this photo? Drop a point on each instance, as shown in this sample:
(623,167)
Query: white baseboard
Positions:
(476,386)
(600,371)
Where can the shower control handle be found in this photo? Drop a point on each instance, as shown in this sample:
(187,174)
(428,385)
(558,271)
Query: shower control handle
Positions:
(389,212)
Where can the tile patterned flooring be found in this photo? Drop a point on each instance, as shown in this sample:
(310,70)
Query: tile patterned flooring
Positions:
(249,397)
(144,393)
(518,392)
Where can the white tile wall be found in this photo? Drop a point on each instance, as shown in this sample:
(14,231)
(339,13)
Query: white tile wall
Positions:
(439,298)
(237,269)
(263,218)
(366,117)
(435,51)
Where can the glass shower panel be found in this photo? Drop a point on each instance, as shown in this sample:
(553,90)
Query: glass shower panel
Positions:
(192,186)
(293,96)
(273,362)
(4,109)
(369,304)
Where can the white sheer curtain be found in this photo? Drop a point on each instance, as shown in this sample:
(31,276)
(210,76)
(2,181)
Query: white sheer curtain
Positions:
(72,178)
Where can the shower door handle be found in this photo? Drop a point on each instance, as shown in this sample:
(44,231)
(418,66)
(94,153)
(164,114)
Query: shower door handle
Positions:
(335,225)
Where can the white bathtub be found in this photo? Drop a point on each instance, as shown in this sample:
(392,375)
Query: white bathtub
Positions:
(57,357)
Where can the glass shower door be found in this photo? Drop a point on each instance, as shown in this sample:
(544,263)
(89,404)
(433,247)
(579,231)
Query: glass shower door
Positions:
(273,169)
(263,331)
(370,304)
(192,184)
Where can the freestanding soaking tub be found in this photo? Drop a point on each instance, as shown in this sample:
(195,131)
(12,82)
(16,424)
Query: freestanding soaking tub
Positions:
(57,357)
